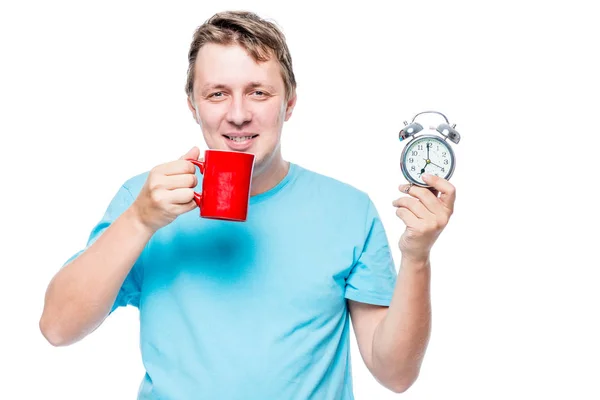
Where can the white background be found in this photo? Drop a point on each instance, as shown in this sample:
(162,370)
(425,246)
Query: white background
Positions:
(92,93)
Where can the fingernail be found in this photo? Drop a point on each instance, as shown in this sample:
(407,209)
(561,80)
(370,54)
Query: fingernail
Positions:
(426,176)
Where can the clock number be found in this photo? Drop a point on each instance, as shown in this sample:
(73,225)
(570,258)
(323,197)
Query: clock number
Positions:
(443,153)
(443,169)
(414,153)
(412,168)
(420,147)
(445,162)
(411,160)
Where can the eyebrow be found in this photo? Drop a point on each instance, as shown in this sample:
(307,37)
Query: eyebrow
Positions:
(260,84)
(212,86)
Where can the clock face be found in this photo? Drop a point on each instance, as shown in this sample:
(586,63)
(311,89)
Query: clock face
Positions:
(427,154)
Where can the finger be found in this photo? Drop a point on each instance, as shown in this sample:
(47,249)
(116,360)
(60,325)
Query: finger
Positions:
(178,167)
(426,196)
(183,208)
(407,216)
(181,196)
(180,181)
(414,205)
(193,153)
(446,189)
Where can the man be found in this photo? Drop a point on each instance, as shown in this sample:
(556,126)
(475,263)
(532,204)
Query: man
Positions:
(259,309)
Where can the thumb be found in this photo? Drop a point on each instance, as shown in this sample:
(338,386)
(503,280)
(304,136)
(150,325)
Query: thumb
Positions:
(193,153)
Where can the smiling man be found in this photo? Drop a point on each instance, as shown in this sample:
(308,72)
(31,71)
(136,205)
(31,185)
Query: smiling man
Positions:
(260,309)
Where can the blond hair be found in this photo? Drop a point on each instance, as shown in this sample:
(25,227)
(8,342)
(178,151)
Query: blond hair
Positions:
(262,40)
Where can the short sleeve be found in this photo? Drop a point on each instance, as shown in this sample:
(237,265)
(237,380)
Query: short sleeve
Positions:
(372,278)
(129,293)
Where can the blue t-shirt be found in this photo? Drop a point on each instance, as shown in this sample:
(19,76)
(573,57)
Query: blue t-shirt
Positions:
(257,310)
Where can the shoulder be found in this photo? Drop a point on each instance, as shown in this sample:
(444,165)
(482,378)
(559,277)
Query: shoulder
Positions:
(330,189)
(125,195)
(342,209)
(134,184)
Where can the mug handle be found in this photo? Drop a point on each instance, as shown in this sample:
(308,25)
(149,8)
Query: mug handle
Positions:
(200,165)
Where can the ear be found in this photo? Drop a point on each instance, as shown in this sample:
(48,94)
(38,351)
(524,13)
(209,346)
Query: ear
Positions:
(290,106)
(192,109)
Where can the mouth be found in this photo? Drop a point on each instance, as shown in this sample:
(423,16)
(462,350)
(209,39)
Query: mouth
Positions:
(239,142)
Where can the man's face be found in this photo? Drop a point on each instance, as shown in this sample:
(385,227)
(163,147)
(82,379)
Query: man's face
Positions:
(241,105)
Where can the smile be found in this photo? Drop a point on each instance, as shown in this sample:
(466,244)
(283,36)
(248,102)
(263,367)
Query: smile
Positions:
(239,143)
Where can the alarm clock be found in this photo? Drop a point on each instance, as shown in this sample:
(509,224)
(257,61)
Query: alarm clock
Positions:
(428,151)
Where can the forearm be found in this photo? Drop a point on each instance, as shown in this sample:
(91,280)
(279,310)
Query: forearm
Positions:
(401,338)
(82,293)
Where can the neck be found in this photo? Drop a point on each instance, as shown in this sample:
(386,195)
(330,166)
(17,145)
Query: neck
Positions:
(267,178)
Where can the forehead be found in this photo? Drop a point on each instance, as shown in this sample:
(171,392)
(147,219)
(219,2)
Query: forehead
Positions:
(232,65)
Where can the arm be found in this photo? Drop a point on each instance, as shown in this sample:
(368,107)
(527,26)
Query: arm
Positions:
(393,340)
(81,294)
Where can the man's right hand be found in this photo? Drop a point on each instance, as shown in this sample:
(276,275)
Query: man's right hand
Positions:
(167,193)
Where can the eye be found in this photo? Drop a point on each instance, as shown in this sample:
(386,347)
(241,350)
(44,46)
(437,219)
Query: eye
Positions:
(216,94)
(259,93)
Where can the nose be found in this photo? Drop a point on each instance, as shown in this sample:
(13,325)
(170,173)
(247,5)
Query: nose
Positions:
(239,112)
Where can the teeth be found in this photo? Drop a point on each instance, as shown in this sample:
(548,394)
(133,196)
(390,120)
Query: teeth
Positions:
(240,139)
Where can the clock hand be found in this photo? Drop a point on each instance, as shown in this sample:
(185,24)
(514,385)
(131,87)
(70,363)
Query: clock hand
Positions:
(430,162)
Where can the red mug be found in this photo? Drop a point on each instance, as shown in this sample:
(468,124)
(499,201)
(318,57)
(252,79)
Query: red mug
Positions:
(226,184)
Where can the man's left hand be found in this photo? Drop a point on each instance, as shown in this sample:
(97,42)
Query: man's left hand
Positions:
(425,215)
